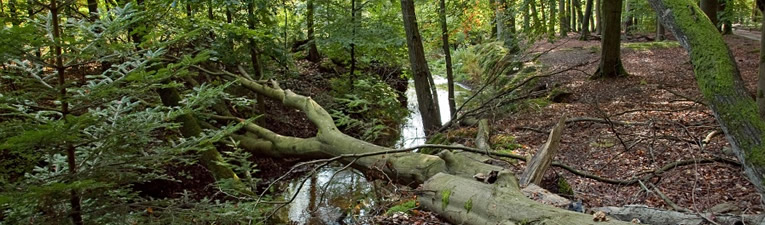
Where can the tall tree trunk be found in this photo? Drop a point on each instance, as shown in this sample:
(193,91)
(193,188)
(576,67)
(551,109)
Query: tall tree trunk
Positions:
(14,12)
(448,58)
(720,82)
(254,53)
(586,23)
(553,19)
(313,52)
(71,157)
(229,18)
(659,30)
(535,16)
(493,5)
(562,18)
(543,9)
(210,14)
(628,20)
(353,40)
(431,118)
(581,22)
(572,16)
(610,58)
(710,9)
(761,75)
(92,9)
(526,18)
(726,21)
(598,17)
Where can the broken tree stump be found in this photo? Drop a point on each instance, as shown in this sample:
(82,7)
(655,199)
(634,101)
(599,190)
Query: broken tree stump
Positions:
(536,167)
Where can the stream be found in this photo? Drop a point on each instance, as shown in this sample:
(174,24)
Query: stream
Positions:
(349,197)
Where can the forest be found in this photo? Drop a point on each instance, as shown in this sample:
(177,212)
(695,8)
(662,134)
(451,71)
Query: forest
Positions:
(330,112)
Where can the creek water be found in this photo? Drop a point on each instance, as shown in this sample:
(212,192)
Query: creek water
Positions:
(334,196)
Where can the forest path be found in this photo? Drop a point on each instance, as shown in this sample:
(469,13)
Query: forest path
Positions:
(676,123)
(753,35)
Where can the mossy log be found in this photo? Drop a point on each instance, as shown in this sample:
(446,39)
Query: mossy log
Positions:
(720,82)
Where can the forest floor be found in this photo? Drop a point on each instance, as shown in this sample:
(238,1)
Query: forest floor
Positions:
(662,100)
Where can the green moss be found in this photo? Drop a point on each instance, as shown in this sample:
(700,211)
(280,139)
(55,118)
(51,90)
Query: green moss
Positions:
(651,45)
(405,207)
(445,194)
(469,205)
(504,142)
(564,188)
(714,71)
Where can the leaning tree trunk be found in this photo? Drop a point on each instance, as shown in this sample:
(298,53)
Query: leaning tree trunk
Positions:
(447,57)
(610,58)
(719,80)
(431,117)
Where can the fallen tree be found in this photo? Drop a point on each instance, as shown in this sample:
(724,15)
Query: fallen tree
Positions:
(720,82)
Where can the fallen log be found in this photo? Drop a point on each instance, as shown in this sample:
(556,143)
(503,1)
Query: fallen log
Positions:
(649,215)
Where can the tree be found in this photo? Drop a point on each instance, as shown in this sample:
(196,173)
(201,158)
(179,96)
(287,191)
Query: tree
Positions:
(710,9)
(587,19)
(610,57)
(562,18)
(761,73)
(431,117)
(718,78)
(313,52)
(447,57)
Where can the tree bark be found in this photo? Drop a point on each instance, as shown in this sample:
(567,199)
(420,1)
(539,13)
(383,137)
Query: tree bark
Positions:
(659,30)
(353,40)
(718,78)
(629,19)
(581,22)
(564,22)
(313,52)
(598,17)
(447,58)
(553,19)
(761,76)
(710,9)
(536,167)
(92,9)
(587,15)
(431,118)
(254,53)
(610,58)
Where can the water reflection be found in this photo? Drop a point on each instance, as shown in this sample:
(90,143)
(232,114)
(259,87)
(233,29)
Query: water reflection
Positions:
(347,199)
(412,132)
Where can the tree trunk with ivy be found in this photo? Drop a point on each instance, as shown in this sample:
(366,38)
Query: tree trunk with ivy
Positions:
(720,82)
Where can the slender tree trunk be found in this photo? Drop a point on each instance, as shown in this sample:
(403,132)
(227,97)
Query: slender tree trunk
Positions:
(585,24)
(543,9)
(535,16)
(628,20)
(659,29)
(581,20)
(499,14)
(562,18)
(553,19)
(710,9)
(189,11)
(353,41)
(571,15)
(448,58)
(228,14)
(610,58)
(313,52)
(726,21)
(431,118)
(254,53)
(526,18)
(92,9)
(71,157)
(210,14)
(493,5)
(761,76)
(598,17)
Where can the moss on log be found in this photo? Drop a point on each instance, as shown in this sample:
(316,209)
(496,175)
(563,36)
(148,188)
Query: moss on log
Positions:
(719,80)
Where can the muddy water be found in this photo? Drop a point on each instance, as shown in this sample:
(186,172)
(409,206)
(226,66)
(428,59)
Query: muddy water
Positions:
(347,197)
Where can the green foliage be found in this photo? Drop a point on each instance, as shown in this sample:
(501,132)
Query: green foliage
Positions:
(563,187)
(405,207)
(469,205)
(370,107)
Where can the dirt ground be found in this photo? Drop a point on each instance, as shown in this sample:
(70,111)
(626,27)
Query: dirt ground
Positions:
(669,127)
